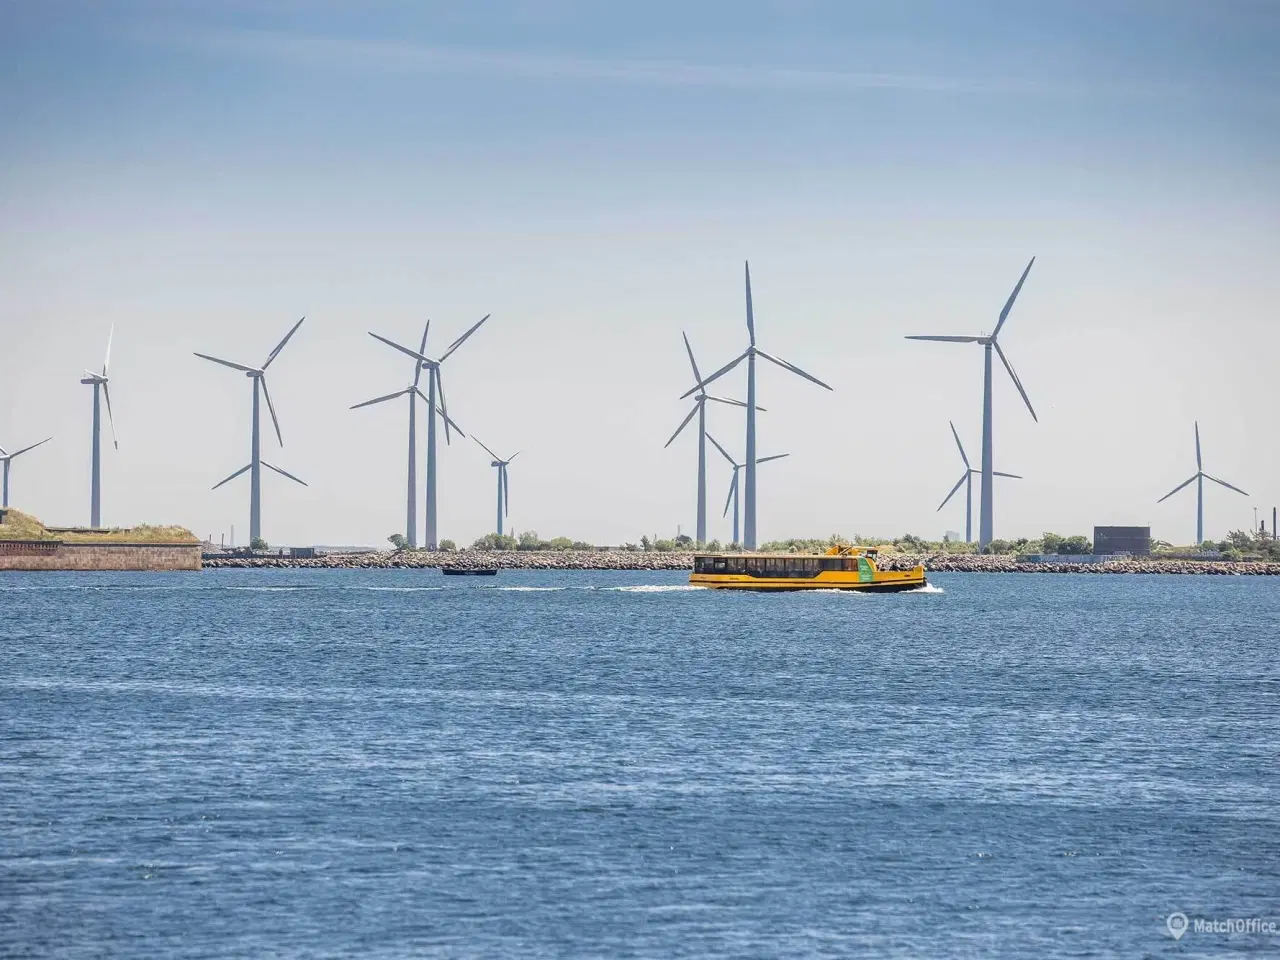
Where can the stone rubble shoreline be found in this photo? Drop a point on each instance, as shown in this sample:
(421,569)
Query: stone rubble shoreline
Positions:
(637,560)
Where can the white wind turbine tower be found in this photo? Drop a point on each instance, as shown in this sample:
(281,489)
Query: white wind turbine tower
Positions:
(259,377)
(985,519)
(733,484)
(750,354)
(6,458)
(434,385)
(100,392)
(967,481)
(413,393)
(700,409)
(504,482)
(1199,477)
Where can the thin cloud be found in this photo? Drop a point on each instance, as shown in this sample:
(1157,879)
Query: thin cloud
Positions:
(408,57)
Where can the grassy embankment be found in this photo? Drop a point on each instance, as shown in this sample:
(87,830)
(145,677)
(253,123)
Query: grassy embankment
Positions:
(22,526)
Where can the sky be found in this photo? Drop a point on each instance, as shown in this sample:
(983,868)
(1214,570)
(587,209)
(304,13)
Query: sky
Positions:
(202,174)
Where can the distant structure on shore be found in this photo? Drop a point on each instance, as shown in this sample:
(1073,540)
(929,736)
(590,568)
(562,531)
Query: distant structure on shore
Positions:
(989,343)
(733,484)
(700,409)
(100,392)
(1199,477)
(504,483)
(749,465)
(6,458)
(412,392)
(435,387)
(259,377)
(967,481)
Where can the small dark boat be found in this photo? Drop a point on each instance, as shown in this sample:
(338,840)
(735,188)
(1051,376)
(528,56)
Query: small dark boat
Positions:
(469,571)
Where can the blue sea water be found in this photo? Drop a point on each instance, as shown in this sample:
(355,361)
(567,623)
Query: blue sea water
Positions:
(393,763)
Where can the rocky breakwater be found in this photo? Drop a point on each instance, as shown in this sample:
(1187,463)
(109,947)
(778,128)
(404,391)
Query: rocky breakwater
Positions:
(501,560)
(999,563)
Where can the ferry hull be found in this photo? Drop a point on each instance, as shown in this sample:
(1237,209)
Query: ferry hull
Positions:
(762,584)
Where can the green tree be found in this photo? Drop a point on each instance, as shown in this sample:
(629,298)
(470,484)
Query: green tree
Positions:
(1076,545)
(558,543)
(398,541)
(529,540)
(664,546)
(714,547)
(447,545)
(1050,543)
(257,543)
(492,541)
(644,543)
(684,541)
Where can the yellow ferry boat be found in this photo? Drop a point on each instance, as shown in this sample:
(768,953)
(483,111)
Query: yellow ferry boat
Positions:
(840,568)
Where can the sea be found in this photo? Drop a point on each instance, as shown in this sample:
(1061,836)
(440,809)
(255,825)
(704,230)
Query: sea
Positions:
(386,764)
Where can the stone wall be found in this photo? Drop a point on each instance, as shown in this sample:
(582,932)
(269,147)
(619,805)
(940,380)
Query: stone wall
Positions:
(55,555)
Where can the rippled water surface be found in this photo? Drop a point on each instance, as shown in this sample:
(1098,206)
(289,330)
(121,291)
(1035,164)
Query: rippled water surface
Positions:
(392,763)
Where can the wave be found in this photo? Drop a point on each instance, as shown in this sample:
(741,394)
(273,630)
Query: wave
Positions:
(927,588)
(284,589)
(656,588)
(403,589)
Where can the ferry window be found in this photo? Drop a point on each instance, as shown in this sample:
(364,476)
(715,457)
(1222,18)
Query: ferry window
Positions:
(719,564)
(831,563)
(753,564)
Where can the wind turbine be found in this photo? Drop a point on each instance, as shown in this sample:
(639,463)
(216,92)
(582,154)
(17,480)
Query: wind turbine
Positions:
(6,457)
(967,480)
(259,377)
(504,482)
(1199,477)
(434,385)
(412,392)
(700,409)
(100,391)
(750,354)
(733,484)
(985,519)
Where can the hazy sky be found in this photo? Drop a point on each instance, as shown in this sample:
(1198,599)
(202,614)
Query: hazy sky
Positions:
(594,175)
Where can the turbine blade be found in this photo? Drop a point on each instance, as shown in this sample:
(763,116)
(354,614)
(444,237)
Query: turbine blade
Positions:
(697,377)
(1016,382)
(443,415)
(723,452)
(280,346)
(1176,489)
(960,445)
(232,477)
(1199,465)
(733,403)
(1225,484)
(485,448)
(947,498)
(683,423)
(405,350)
(949,339)
(417,367)
(1011,476)
(792,367)
(514,455)
(717,375)
(107,358)
(283,473)
(463,339)
(751,319)
(444,406)
(111,420)
(389,396)
(733,485)
(776,456)
(17,453)
(3,452)
(271,409)
(227,363)
(1004,314)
